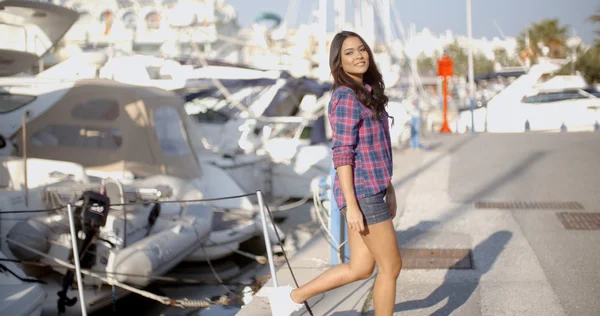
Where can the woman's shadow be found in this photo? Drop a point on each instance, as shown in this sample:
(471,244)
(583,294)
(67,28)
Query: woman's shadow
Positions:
(458,292)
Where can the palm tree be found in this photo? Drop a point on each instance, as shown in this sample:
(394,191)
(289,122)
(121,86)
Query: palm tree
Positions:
(546,33)
(596,19)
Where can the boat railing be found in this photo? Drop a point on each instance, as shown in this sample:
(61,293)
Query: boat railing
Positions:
(131,194)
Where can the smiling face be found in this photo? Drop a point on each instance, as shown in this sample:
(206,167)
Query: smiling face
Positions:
(354,58)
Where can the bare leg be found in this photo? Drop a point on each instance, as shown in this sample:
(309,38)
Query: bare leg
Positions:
(382,243)
(360,267)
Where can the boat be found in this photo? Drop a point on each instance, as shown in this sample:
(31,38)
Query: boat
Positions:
(538,101)
(166,27)
(137,135)
(120,243)
(265,123)
(564,103)
(20,295)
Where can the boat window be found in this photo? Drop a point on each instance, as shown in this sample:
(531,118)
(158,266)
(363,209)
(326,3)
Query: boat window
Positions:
(96,109)
(554,97)
(11,102)
(170,132)
(568,95)
(85,16)
(14,37)
(77,136)
(592,91)
(153,21)
(531,99)
(130,20)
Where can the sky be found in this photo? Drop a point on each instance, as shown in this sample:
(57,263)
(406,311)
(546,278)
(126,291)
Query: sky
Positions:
(439,15)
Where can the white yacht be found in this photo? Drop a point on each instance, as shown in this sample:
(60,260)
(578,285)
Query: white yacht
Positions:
(538,101)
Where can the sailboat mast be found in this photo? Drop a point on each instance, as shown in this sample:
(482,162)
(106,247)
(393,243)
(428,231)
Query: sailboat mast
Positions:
(322,53)
(470,65)
(357,17)
(340,11)
(386,11)
(368,22)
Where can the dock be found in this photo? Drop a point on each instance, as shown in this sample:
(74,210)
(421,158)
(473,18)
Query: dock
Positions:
(488,224)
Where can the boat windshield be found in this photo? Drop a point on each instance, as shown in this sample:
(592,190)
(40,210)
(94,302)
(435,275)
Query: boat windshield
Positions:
(11,102)
(212,106)
(572,94)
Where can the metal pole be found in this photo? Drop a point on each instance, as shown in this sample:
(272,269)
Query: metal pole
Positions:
(415,123)
(76,260)
(445,127)
(386,16)
(470,61)
(357,16)
(336,224)
(263,218)
(24,141)
(574,54)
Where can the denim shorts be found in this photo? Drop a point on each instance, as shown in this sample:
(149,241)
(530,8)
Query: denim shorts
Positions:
(374,208)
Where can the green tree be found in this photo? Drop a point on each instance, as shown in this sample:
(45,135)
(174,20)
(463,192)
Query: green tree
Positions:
(459,58)
(589,65)
(595,18)
(482,65)
(567,69)
(426,65)
(548,33)
(501,57)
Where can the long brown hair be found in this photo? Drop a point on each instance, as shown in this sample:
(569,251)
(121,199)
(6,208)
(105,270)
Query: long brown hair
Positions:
(376,100)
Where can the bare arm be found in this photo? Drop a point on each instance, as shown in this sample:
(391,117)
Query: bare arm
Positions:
(354,216)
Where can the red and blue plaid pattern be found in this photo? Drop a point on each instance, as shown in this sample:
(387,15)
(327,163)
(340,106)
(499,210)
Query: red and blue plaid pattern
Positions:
(360,141)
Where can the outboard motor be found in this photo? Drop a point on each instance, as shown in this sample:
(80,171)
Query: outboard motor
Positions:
(94,209)
(93,213)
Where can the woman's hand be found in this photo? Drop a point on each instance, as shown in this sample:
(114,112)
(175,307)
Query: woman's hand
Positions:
(355,218)
(390,199)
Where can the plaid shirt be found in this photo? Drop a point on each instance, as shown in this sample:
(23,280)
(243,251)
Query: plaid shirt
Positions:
(360,141)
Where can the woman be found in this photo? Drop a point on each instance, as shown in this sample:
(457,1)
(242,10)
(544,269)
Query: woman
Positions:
(362,157)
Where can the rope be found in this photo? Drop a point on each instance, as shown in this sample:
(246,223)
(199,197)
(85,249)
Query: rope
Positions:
(183,303)
(287,261)
(28,280)
(112,274)
(216,274)
(286,207)
(137,203)
(325,230)
(33,211)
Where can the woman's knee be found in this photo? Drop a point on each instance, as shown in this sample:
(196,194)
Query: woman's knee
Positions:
(390,266)
(361,272)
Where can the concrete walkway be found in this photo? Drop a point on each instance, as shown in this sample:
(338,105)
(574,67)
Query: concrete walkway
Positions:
(524,261)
